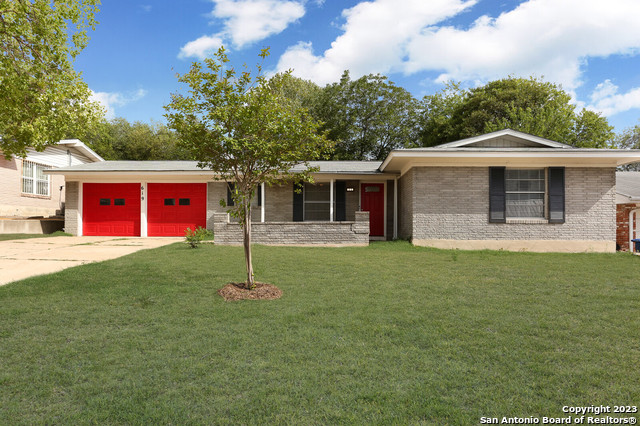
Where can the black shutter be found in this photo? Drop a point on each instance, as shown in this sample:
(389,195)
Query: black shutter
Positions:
(259,195)
(230,187)
(497,202)
(298,200)
(556,194)
(341,200)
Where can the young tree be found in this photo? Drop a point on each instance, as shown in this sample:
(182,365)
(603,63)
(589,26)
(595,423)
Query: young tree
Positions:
(245,130)
(43,98)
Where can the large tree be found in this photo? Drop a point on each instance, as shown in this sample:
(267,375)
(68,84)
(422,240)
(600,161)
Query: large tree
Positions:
(43,98)
(528,105)
(118,139)
(367,117)
(245,130)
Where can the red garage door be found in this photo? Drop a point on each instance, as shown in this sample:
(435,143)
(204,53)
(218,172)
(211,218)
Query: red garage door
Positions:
(174,207)
(111,209)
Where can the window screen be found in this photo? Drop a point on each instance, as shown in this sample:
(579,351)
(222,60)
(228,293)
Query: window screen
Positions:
(316,201)
(525,190)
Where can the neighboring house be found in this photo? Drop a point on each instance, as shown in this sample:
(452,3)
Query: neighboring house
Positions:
(503,190)
(627,209)
(25,190)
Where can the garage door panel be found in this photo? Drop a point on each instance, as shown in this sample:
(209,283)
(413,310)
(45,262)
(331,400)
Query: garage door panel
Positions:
(173,217)
(111,209)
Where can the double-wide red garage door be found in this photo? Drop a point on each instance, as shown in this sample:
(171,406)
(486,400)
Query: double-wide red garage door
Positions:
(114,209)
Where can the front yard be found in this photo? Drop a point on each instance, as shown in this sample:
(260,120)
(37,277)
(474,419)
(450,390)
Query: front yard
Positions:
(384,334)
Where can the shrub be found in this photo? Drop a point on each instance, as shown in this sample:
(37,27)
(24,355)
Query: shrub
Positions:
(195,237)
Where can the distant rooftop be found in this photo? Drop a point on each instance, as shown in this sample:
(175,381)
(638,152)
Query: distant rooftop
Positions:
(628,184)
(344,167)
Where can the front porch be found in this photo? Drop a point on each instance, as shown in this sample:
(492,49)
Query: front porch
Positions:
(327,233)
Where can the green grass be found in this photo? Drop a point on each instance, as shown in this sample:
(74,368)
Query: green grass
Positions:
(4,237)
(389,334)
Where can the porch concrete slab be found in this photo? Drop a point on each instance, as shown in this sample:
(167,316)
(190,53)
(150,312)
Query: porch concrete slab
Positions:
(21,259)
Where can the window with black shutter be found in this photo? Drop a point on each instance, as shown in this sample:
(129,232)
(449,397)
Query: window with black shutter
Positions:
(556,195)
(497,196)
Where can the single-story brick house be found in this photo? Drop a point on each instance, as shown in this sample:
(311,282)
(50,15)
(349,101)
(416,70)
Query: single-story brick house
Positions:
(503,190)
(627,209)
(25,190)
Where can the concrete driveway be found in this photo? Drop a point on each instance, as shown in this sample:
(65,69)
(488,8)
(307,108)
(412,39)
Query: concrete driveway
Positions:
(21,259)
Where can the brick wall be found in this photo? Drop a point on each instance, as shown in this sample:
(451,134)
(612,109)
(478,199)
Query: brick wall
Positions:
(453,203)
(294,233)
(71,208)
(622,222)
(14,203)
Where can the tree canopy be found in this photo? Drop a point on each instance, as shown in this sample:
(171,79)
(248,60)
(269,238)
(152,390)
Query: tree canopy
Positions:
(118,139)
(43,98)
(367,117)
(528,105)
(245,130)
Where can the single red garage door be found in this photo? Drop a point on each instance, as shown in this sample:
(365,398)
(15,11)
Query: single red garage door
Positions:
(174,207)
(111,209)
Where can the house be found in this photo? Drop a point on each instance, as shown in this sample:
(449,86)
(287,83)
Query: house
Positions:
(627,209)
(25,190)
(503,190)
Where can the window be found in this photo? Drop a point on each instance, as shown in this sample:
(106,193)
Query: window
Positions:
(105,201)
(169,201)
(525,193)
(232,187)
(118,201)
(184,202)
(34,181)
(316,201)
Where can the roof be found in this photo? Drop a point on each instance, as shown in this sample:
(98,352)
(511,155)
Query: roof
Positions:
(191,167)
(513,136)
(80,146)
(628,185)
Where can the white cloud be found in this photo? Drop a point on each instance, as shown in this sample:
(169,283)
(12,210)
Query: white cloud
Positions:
(375,38)
(245,22)
(248,21)
(200,47)
(547,38)
(146,8)
(606,99)
(110,100)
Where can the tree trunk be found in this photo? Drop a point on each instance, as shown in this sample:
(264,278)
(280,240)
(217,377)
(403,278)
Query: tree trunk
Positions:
(246,229)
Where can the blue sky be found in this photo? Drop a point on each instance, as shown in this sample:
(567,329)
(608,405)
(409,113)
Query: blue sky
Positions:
(590,47)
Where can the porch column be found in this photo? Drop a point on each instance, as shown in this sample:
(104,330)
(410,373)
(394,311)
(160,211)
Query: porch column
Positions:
(262,202)
(331,201)
(143,209)
(395,208)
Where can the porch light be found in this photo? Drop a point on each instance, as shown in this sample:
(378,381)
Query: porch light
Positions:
(350,189)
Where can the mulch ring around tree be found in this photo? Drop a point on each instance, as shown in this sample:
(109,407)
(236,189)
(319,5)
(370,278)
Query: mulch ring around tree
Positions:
(237,291)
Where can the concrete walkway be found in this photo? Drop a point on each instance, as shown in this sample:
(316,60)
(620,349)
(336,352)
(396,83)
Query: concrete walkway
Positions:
(21,259)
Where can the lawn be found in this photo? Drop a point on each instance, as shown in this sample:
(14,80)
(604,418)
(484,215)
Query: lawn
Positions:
(4,237)
(389,333)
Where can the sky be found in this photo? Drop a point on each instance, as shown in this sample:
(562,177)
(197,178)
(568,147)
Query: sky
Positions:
(589,47)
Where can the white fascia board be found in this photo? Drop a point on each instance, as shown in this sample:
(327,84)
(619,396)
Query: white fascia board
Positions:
(514,133)
(81,146)
(611,157)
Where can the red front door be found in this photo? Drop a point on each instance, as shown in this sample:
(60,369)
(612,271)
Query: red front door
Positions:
(111,209)
(372,201)
(174,207)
